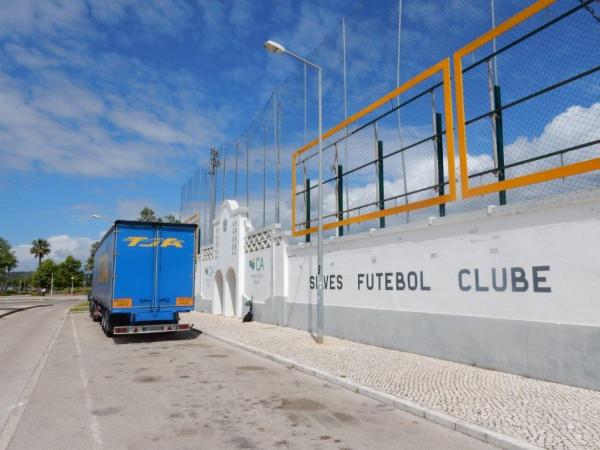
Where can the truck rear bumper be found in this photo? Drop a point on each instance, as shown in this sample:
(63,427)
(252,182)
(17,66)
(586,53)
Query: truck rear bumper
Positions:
(154,328)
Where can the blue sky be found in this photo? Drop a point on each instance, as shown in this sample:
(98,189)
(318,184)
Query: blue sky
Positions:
(106,106)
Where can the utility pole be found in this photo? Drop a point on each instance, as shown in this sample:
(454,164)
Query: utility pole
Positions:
(215,163)
(51,283)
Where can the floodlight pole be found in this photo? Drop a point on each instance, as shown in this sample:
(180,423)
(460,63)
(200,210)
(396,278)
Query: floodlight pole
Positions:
(320,283)
(215,163)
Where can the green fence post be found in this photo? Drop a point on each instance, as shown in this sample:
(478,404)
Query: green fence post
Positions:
(340,195)
(439,147)
(380,181)
(499,139)
(307,203)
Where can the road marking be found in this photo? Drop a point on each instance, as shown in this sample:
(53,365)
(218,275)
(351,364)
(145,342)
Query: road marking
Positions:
(12,421)
(94,425)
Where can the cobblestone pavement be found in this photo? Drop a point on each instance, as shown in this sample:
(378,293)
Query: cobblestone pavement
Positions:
(546,414)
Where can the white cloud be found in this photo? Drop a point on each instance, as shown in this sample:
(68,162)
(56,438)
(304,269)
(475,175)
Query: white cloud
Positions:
(61,246)
(74,17)
(67,107)
(148,127)
(576,125)
(26,17)
(59,124)
(31,58)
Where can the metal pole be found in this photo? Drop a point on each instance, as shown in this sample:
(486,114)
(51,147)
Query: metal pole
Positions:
(213,193)
(340,196)
(345,114)
(402,157)
(380,192)
(203,236)
(307,205)
(214,164)
(499,140)
(180,203)
(51,283)
(276,143)
(223,180)
(247,172)
(320,233)
(434,126)
(492,81)
(493,8)
(265,179)
(440,160)
(320,226)
(237,152)
(305,108)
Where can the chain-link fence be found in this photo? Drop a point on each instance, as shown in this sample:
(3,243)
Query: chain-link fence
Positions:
(530,93)
(539,121)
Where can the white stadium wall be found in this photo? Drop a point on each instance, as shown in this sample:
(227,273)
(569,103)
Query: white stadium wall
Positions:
(514,288)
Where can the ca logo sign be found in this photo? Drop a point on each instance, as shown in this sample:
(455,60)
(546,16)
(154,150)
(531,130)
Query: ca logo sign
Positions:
(257,264)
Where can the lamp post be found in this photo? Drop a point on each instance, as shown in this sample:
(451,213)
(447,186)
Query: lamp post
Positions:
(72,278)
(278,49)
(99,218)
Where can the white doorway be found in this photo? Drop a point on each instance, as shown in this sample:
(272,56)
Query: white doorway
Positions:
(230,293)
(218,294)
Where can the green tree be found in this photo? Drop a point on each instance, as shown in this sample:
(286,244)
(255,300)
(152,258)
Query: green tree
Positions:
(89,265)
(39,248)
(8,260)
(19,281)
(147,215)
(69,269)
(170,218)
(42,278)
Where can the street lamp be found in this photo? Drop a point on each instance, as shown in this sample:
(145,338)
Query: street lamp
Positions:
(278,49)
(72,278)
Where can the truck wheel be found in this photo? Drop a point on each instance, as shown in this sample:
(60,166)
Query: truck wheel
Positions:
(103,321)
(108,327)
(95,312)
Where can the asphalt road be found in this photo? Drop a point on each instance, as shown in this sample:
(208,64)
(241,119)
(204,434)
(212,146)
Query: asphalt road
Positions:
(71,387)
(13,303)
(25,337)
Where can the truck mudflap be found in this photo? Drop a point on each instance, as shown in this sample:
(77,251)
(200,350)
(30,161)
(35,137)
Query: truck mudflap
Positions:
(153,328)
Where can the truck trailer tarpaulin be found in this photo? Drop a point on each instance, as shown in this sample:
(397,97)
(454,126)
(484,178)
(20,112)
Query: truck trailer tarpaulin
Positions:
(143,277)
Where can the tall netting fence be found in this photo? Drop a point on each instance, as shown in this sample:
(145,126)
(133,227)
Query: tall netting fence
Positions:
(429,108)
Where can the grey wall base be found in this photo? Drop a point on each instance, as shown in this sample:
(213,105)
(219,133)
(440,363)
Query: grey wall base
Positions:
(268,312)
(204,306)
(568,354)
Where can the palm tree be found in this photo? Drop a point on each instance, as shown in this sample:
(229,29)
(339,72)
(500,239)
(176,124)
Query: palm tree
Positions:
(39,248)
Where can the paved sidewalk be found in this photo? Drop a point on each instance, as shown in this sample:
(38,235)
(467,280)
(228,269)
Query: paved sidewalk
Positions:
(544,414)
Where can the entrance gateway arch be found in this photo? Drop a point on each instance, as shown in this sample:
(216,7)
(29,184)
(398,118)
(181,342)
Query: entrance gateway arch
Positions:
(221,265)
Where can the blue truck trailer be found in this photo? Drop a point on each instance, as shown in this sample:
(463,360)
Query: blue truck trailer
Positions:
(143,277)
